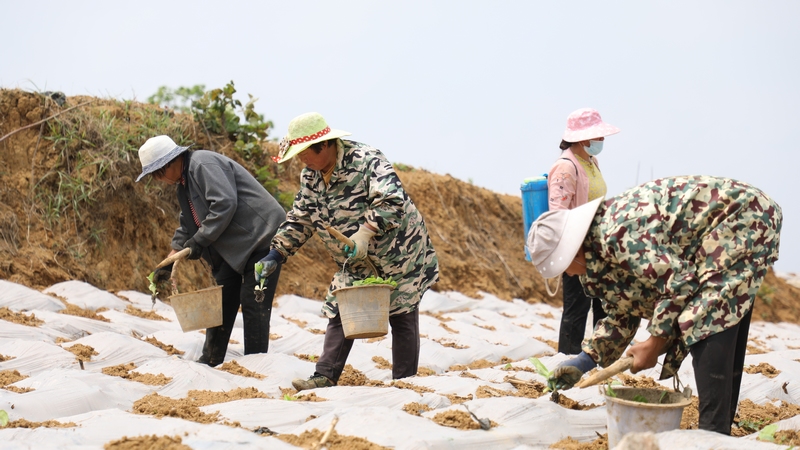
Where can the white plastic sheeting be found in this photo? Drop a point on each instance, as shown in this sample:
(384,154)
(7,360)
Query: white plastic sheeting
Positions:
(455,329)
(17,297)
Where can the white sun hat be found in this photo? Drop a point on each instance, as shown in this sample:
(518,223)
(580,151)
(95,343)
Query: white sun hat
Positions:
(556,236)
(156,152)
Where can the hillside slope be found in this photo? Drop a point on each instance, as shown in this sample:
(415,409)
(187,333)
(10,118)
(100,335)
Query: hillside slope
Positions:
(69,209)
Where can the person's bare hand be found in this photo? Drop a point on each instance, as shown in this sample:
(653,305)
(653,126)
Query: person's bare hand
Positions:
(645,354)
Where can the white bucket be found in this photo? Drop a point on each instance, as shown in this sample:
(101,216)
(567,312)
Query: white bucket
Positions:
(199,309)
(364,310)
(662,412)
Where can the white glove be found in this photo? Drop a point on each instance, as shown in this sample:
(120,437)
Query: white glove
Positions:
(361,240)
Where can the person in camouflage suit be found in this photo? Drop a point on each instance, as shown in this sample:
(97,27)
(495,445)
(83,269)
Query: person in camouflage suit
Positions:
(686,253)
(352,188)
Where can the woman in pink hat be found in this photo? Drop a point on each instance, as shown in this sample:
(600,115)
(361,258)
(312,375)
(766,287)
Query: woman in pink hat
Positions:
(573,180)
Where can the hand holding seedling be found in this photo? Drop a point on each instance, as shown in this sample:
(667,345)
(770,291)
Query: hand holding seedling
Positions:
(645,354)
(263,269)
(569,372)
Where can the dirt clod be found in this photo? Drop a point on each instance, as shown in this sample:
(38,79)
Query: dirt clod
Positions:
(237,369)
(149,442)
(20,318)
(82,352)
(310,439)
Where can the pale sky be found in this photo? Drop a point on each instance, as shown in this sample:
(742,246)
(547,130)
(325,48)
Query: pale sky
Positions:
(479,90)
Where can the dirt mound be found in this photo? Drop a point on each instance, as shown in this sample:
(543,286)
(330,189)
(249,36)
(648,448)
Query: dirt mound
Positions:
(70,209)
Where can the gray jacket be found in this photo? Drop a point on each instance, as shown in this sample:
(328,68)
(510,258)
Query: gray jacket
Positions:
(237,215)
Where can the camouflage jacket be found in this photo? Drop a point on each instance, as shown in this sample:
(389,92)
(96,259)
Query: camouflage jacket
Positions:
(687,253)
(363,188)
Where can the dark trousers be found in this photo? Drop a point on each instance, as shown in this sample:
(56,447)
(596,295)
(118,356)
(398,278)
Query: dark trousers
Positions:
(239,290)
(405,347)
(718,361)
(573,319)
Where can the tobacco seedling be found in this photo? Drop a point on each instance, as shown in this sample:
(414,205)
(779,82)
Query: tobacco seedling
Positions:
(768,433)
(3,418)
(541,369)
(153,287)
(259,267)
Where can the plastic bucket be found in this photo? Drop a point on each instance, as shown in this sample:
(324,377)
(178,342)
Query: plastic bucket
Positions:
(199,309)
(534,203)
(364,310)
(626,415)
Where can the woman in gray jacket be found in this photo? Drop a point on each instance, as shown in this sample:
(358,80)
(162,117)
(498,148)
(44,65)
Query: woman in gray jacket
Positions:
(228,219)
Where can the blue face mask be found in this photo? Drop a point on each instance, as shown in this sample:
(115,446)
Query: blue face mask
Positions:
(594,148)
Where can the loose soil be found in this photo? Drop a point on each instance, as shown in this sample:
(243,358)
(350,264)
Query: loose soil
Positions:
(416,409)
(425,372)
(310,439)
(189,408)
(150,442)
(764,369)
(166,347)
(787,437)
(126,371)
(19,318)
(75,310)
(751,417)
(22,423)
(237,369)
(82,352)
(381,363)
(601,443)
(458,419)
(151,315)
(9,377)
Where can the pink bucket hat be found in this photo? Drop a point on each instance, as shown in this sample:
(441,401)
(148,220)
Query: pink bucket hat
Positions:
(585,124)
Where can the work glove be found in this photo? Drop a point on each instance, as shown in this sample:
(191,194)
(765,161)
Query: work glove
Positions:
(361,243)
(197,250)
(162,275)
(570,372)
(264,268)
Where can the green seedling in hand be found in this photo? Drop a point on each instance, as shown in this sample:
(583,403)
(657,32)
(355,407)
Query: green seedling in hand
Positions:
(153,287)
(259,267)
(541,369)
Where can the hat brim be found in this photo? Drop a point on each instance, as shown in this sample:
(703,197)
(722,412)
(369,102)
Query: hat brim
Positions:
(296,149)
(597,131)
(161,162)
(572,236)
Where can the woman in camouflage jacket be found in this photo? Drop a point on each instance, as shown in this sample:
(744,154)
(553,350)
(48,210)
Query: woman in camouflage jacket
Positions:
(352,188)
(688,254)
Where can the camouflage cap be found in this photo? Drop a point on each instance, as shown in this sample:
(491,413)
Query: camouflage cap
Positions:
(556,236)
(305,130)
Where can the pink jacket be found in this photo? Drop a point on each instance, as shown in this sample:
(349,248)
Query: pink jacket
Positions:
(565,190)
